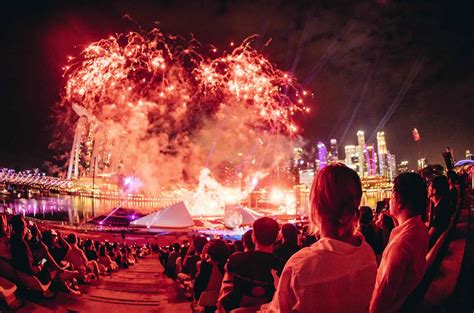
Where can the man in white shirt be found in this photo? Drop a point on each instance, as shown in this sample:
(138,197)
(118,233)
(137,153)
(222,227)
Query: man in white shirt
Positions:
(404,259)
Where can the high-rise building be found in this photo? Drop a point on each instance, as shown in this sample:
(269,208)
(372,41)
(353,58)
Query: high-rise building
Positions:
(402,167)
(297,157)
(391,166)
(360,152)
(382,153)
(422,163)
(350,151)
(322,155)
(334,150)
(469,155)
(370,160)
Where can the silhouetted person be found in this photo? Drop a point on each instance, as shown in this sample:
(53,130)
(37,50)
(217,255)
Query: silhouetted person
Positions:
(441,210)
(367,226)
(249,279)
(289,245)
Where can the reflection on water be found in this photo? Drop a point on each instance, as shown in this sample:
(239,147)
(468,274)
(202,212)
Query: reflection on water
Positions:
(75,209)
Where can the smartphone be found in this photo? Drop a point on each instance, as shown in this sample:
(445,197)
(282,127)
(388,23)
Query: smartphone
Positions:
(42,261)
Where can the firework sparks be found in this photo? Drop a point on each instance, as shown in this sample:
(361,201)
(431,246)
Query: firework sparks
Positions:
(159,99)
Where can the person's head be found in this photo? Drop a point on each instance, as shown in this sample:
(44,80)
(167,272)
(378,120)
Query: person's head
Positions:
(72,239)
(176,247)
(199,242)
(103,250)
(409,194)
(366,215)
(335,197)
(439,187)
(183,251)
(88,245)
(247,241)
(289,233)
(35,234)
(265,231)
(239,246)
(452,177)
(218,251)
(231,248)
(18,225)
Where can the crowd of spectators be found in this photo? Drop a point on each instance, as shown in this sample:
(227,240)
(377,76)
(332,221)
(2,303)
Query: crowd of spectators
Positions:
(58,262)
(349,256)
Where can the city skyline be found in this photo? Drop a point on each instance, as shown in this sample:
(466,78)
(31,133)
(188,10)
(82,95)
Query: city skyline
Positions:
(347,61)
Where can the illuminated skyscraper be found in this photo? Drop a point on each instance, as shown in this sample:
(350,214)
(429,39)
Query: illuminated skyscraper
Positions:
(322,155)
(382,154)
(350,152)
(402,167)
(370,160)
(422,163)
(391,166)
(334,150)
(297,157)
(360,152)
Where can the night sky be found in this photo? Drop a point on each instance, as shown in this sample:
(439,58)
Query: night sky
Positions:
(372,65)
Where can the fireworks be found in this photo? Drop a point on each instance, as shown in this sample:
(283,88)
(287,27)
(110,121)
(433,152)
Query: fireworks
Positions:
(165,108)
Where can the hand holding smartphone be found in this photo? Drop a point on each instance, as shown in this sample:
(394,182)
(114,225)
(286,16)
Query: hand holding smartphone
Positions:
(42,262)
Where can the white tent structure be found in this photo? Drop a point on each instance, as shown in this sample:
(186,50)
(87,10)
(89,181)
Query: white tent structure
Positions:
(173,216)
(236,216)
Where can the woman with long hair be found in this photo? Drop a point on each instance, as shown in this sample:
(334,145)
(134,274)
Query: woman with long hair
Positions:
(337,273)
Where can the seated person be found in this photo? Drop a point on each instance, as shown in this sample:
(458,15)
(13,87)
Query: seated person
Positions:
(171,262)
(63,278)
(247,241)
(79,261)
(288,247)
(22,257)
(249,279)
(441,210)
(57,246)
(5,232)
(90,251)
(194,255)
(211,272)
(105,259)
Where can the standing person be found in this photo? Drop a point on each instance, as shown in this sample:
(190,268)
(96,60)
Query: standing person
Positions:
(441,210)
(403,261)
(249,281)
(367,227)
(337,273)
(454,189)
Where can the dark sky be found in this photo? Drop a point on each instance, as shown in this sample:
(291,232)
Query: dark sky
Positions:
(394,65)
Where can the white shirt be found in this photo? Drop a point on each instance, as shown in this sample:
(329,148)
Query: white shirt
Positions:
(402,266)
(330,276)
